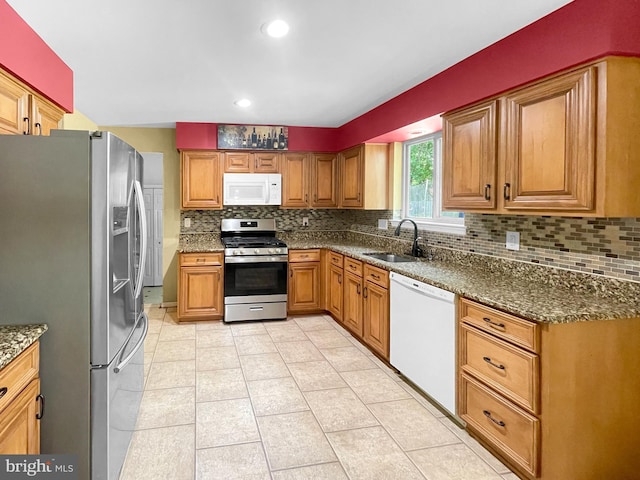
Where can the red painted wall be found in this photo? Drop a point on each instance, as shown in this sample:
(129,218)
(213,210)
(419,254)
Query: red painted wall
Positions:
(204,136)
(25,55)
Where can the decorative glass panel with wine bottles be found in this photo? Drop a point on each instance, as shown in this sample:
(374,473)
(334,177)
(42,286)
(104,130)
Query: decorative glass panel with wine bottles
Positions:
(253,137)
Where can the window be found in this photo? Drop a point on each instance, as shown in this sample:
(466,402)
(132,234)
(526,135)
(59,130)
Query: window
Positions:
(422,186)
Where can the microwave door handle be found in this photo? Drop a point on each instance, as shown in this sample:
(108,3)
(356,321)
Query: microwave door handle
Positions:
(267,192)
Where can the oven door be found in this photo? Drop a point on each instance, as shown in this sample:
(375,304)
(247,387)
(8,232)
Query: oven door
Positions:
(255,279)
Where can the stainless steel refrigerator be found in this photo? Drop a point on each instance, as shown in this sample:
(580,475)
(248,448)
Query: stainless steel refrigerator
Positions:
(72,243)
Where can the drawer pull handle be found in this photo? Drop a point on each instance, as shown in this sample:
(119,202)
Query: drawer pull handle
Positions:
(3,391)
(488,360)
(352,267)
(365,292)
(377,277)
(200,260)
(40,414)
(497,326)
(487,414)
(304,255)
(340,278)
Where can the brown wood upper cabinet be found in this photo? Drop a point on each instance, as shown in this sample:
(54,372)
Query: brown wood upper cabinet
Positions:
(251,162)
(309,180)
(565,145)
(24,112)
(201,180)
(364,177)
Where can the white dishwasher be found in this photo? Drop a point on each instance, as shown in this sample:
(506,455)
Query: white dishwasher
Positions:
(422,337)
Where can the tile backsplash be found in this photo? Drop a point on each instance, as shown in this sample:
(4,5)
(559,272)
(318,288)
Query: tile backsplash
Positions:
(603,246)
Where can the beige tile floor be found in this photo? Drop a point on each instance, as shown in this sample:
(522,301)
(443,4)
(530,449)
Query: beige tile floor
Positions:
(285,400)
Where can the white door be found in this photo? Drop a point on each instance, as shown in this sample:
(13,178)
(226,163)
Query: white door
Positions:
(153,204)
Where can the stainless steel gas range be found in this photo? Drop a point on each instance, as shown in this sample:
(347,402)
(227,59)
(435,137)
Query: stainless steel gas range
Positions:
(255,276)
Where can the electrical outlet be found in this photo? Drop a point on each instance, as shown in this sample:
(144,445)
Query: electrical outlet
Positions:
(513,241)
(383,224)
(187,222)
(305,221)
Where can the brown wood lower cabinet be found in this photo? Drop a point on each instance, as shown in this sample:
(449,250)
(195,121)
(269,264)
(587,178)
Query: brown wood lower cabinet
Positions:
(200,286)
(303,291)
(357,296)
(554,401)
(19,425)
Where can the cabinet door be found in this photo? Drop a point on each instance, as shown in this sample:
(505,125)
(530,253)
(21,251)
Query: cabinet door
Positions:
(45,117)
(351,177)
(376,318)
(352,306)
(200,292)
(550,144)
(19,428)
(201,180)
(304,287)
(266,162)
(295,180)
(324,171)
(14,104)
(469,158)
(237,162)
(336,290)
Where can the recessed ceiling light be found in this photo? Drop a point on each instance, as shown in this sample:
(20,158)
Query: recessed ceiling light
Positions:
(243,102)
(277,28)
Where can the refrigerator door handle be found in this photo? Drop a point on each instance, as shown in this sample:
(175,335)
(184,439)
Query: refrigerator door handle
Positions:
(127,359)
(143,238)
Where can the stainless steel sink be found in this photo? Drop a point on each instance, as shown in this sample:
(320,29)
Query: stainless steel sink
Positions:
(390,257)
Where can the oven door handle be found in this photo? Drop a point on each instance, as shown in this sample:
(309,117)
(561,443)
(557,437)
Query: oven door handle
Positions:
(257,259)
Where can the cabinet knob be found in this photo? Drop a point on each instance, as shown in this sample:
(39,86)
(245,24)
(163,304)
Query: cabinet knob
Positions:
(365,292)
(39,127)
(28,122)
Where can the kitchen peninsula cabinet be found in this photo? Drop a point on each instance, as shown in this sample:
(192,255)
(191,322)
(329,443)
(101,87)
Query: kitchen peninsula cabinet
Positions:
(200,286)
(309,180)
(20,407)
(251,162)
(564,145)
(553,400)
(22,111)
(201,180)
(304,281)
(363,173)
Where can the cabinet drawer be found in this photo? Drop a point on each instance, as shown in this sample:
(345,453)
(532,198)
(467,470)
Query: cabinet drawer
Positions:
(376,275)
(17,375)
(353,266)
(510,328)
(312,255)
(510,370)
(198,259)
(336,259)
(508,428)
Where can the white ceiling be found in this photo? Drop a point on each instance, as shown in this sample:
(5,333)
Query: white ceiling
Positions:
(155,62)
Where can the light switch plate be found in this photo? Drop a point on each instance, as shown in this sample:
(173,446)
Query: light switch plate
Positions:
(187,222)
(383,224)
(513,241)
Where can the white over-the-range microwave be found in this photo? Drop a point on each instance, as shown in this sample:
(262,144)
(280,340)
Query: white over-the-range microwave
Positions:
(252,189)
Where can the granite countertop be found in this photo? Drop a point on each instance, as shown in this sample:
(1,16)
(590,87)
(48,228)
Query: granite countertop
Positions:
(14,339)
(513,289)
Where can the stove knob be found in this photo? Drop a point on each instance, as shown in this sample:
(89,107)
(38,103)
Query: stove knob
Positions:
(236,252)
(257,250)
(273,250)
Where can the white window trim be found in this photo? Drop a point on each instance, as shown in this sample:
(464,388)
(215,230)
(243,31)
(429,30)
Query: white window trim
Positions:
(439,224)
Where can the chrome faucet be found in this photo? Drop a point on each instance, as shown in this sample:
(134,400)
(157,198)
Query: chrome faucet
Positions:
(416,251)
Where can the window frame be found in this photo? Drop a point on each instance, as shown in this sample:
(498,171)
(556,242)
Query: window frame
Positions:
(437,223)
